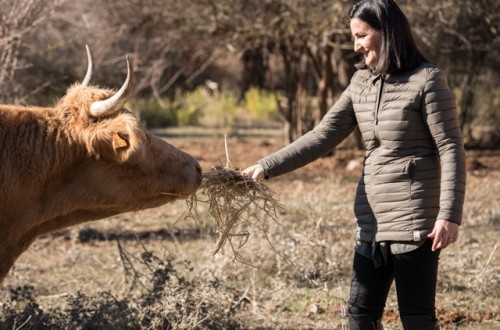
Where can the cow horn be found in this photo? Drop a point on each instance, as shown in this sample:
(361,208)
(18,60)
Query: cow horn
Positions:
(106,107)
(90,68)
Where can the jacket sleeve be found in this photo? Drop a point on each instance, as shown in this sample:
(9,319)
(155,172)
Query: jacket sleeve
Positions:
(335,126)
(440,113)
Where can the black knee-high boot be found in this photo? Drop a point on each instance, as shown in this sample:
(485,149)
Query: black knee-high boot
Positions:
(419,322)
(363,322)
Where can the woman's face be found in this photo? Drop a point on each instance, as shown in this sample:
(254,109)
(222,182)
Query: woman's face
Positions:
(366,41)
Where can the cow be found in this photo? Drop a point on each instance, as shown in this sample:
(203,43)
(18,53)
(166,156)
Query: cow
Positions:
(86,158)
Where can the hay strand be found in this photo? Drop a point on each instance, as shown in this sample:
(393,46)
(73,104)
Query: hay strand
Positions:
(235,202)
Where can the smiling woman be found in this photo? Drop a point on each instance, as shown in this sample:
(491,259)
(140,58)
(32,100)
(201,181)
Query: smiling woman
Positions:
(396,46)
(410,196)
(366,41)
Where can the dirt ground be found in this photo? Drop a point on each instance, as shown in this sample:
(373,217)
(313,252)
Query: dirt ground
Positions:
(311,293)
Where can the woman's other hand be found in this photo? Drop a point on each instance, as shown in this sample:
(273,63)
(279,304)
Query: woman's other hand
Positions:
(256,172)
(444,233)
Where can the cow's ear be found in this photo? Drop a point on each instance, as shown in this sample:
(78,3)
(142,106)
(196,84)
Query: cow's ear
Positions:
(120,140)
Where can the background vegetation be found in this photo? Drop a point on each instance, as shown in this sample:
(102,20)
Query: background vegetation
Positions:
(206,67)
(299,51)
(155,269)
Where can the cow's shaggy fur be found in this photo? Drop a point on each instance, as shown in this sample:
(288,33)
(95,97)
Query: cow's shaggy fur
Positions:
(98,135)
(61,166)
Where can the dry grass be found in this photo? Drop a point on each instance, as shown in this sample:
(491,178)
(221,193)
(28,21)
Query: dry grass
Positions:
(236,203)
(179,281)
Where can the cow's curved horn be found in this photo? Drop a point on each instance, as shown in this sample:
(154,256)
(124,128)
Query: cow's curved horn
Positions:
(106,107)
(90,68)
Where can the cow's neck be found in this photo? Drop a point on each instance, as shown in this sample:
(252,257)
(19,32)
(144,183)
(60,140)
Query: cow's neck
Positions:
(35,152)
(38,140)
(19,233)
(13,244)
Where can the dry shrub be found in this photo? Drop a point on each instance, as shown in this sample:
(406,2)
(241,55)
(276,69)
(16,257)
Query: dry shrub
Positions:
(236,203)
(159,297)
(167,300)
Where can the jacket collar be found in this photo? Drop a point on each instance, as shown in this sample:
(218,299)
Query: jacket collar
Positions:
(374,78)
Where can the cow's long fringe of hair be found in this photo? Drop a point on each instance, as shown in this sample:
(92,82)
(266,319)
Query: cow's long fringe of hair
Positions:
(96,134)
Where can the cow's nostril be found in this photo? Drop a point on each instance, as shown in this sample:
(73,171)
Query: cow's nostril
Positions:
(198,168)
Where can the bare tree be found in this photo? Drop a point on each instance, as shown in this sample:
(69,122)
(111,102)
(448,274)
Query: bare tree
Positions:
(463,37)
(171,40)
(19,19)
(304,35)
(170,47)
(301,49)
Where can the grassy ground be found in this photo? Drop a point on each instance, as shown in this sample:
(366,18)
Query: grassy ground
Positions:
(155,269)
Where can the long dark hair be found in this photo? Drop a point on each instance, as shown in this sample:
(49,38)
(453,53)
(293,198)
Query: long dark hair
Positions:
(398,51)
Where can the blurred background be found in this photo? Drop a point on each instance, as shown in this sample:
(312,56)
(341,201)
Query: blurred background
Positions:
(239,63)
(269,68)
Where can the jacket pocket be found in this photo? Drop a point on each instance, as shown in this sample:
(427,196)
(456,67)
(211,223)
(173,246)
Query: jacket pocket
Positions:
(424,182)
(390,192)
(410,169)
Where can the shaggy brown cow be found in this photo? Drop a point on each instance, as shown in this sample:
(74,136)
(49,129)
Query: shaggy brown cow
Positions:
(85,159)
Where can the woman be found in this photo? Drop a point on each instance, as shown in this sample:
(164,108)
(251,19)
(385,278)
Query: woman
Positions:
(410,196)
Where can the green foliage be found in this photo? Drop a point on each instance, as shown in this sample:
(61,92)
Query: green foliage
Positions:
(260,103)
(201,107)
(190,107)
(152,114)
(198,107)
(220,111)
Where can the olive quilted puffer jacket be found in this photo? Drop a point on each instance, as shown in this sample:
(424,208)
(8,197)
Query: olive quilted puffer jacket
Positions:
(414,168)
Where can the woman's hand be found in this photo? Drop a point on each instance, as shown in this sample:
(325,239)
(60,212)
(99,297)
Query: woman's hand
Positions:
(444,233)
(256,172)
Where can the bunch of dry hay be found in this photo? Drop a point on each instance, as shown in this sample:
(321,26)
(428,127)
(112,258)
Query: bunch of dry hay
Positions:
(236,202)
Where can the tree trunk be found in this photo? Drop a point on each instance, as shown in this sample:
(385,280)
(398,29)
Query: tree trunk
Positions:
(326,80)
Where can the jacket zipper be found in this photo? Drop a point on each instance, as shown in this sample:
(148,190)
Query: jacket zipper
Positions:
(377,105)
(375,132)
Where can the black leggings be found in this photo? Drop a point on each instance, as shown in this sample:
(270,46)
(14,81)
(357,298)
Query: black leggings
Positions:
(415,274)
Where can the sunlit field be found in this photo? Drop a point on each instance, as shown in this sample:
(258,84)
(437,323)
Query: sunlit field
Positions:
(155,269)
